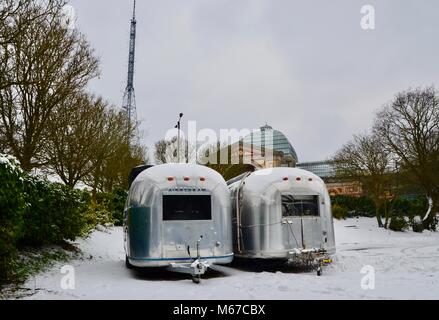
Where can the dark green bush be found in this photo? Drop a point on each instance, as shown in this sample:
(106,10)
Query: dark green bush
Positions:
(339,212)
(106,208)
(120,197)
(98,211)
(355,206)
(55,213)
(398,223)
(12,206)
(431,224)
(414,208)
(36,212)
(417,225)
(407,208)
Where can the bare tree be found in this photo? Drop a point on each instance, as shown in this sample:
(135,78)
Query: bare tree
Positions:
(166,151)
(71,142)
(365,159)
(213,157)
(45,65)
(116,169)
(409,127)
(114,156)
(16,17)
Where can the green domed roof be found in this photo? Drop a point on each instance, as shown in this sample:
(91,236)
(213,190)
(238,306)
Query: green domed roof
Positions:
(279,141)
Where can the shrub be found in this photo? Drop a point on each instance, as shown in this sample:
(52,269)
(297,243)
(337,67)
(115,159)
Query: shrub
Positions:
(355,206)
(55,213)
(339,212)
(12,206)
(413,208)
(431,224)
(98,213)
(398,223)
(36,212)
(120,197)
(417,224)
(107,208)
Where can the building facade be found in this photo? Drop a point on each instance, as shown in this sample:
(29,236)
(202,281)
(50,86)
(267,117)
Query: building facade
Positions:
(274,141)
(323,169)
(268,148)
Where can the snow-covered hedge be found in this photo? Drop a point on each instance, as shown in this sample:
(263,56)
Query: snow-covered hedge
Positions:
(34,211)
(12,208)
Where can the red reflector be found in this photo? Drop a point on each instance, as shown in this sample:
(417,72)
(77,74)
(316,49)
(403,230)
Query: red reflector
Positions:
(202,179)
(170,178)
(285,179)
(186,179)
(298,179)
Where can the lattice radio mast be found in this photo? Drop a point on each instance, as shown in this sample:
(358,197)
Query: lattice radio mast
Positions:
(129,98)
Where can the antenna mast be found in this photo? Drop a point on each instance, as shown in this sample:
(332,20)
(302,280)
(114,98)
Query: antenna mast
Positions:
(129,99)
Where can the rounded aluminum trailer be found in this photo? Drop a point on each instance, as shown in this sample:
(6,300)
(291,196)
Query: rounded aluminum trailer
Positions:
(178,216)
(282,213)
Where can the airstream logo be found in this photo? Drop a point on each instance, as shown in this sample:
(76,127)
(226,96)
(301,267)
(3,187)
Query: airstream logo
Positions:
(186,189)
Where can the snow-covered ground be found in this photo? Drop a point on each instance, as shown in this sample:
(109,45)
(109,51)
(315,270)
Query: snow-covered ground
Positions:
(406,267)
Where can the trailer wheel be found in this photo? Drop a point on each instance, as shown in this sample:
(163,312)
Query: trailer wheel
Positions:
(196,279)
(127,263)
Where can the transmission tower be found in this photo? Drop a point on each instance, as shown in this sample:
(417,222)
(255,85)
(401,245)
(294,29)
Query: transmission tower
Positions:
(129,98)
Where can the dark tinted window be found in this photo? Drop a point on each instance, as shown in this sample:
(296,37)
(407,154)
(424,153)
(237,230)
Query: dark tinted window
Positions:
(296,206)
(187,207)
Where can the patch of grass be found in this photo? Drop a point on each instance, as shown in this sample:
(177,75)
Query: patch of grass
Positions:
(32,261)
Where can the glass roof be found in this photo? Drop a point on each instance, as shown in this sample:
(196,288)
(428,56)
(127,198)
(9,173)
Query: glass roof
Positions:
(269,138)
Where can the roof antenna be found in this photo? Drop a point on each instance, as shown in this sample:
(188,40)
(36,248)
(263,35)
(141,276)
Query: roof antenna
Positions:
(134,11)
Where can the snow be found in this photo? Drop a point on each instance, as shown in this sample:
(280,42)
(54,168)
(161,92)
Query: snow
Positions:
(10,162)
(406,266)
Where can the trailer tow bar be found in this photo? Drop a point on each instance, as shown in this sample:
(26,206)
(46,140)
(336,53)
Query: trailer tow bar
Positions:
(196,268)
(316,258)
(322,262)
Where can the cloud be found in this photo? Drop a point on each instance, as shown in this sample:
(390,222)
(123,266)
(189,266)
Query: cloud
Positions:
(305,67)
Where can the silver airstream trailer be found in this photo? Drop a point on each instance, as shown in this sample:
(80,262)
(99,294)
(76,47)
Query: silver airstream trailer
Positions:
(178,216)
(282,213)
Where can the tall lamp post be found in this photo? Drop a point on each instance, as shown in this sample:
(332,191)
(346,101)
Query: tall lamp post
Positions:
(178,126)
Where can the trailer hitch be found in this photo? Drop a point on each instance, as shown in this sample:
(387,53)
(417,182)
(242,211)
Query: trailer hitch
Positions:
(196,268)
(198,265)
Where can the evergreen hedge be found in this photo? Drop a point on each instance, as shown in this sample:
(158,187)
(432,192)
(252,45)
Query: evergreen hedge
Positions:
(35,212)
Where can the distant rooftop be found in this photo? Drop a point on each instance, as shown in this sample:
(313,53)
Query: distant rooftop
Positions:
(323,169)
(279,141)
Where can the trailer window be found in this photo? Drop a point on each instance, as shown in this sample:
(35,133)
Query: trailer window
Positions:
(187,207)
(297,206)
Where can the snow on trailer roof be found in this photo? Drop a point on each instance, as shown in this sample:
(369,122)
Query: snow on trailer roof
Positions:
(259,180)
(180,173)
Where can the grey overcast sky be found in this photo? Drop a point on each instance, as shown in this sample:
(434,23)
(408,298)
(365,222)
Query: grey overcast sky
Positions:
(307,68)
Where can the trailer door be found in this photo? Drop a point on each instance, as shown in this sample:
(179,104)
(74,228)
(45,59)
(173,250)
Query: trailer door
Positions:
(301,220)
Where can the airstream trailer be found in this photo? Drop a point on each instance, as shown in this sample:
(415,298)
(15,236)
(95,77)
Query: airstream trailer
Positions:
(178,216)
(282,213)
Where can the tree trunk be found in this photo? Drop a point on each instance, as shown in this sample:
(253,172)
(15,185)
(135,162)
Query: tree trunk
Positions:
(430,223)
(377,204)
(386,215)
(378,216)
